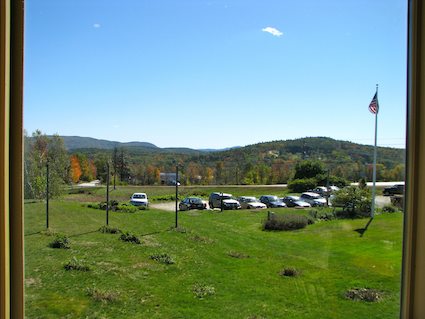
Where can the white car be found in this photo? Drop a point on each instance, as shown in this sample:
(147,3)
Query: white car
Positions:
(139,199)
(250,202)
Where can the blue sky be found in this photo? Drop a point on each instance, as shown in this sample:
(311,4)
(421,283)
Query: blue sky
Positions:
(214,74)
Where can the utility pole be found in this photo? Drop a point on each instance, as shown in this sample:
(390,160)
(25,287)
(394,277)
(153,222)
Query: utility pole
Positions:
(47,194)
(221,201)
(177,195)
(327,189)
(107,194)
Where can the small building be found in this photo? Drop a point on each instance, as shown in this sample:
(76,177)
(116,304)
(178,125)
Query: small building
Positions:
(168,178)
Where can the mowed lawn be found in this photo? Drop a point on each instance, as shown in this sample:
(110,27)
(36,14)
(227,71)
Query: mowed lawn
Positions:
(227,251)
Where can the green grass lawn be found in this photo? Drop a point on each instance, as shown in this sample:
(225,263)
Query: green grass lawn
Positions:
(331,256)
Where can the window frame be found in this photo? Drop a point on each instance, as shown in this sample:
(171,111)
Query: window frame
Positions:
(11,164)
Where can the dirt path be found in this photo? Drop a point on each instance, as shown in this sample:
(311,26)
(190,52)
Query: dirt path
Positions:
(168,206)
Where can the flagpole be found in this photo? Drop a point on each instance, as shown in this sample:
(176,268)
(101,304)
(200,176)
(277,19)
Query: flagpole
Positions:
(372,214)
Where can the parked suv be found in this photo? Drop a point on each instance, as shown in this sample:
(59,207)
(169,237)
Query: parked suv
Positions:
(228,201)
(139,199)
(397,189)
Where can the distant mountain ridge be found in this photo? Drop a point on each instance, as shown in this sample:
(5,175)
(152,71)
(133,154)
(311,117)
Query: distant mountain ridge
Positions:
(80,142)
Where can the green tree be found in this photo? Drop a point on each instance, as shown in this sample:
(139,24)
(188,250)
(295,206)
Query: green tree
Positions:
(100,162)
(39,151)
(308,169)
(354,200)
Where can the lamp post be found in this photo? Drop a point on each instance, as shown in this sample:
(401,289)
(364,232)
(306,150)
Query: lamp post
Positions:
(177,195)
(47,194)
(107,194)
(327,189)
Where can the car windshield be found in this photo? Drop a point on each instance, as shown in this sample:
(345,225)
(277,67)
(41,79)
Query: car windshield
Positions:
(139,196)
(274,199)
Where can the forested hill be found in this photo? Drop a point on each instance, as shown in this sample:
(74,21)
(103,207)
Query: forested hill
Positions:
(269,162)
(78,142)
(324,149)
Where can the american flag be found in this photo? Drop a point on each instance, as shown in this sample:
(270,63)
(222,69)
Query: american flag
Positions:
(374,105)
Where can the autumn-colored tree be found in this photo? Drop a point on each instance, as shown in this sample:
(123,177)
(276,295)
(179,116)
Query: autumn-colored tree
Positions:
(152,175)
(208,175)
(93,169)
(219,166)
(193,173)
(282,171)
(75,171)
(397,173)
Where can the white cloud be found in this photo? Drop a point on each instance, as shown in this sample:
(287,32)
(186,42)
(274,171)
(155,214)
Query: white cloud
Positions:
(96,25)
(272,31)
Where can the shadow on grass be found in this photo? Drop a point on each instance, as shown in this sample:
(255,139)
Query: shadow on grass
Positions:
(85,233)
(95,231)
(156,232)
(31,234)
(362,231)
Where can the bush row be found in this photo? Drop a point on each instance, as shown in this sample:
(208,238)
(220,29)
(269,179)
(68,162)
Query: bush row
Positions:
(287,222)
(117,207)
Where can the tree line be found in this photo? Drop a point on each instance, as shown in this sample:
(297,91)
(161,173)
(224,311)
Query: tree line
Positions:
(266,163)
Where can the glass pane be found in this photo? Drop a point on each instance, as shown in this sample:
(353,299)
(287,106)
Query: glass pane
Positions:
(214,100)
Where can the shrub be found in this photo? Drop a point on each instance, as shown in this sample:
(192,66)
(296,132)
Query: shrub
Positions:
(163,258)
(75,264)
(362,183)
(355,201)
(398,201)
(129,237)
(363,294)
(109,230)
(290,272)
(112,205)
(322,215)
(389,209)
(302,185)
(160,198)
(49,232)
(102,295)
(202,290)
(60,241)
(285,222)
(127,208)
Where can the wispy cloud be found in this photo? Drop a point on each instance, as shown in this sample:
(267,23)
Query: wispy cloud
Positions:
(96,25)
(272,31)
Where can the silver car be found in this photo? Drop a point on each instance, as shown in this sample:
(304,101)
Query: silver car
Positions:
(250,202)
(313,199)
